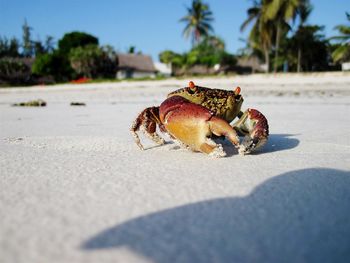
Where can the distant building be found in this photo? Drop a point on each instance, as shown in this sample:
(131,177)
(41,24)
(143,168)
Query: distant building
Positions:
(135,66)
(194,70)
(244,65)
(250,65)
(163,69)
(345,66)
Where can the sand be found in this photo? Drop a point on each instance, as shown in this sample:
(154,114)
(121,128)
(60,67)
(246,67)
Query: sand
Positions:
(75,188)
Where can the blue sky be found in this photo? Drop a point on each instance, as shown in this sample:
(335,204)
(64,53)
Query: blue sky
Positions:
(150,25)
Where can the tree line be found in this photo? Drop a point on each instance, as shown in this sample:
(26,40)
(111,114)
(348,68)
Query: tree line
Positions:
(77,54)
(280,36)
(275,38)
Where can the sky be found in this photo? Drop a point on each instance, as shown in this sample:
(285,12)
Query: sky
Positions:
(151,26)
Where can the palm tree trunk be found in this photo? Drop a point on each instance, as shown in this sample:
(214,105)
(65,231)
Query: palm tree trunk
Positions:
(299,60)
(267,59)
(277,45)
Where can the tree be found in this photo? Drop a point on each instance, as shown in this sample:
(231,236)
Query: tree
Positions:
(271,20)
(27,42)
(9,48)
(13,71)
(91,61)
(262,31)
(49,44)
(281,12)
(131,50)
(311,41)
(167,56)
(304,11)
(38,48)
(342,52)
(75,39)
(197,21)
(209,52)
(53,64)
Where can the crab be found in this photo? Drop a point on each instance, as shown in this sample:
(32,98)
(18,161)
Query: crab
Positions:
(194,115)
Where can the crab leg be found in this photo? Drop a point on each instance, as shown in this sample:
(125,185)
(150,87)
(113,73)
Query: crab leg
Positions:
(147,122)
(254,126)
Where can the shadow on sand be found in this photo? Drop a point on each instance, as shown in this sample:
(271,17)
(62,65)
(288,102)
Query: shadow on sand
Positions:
(280,142)
(299,216)
(275,143)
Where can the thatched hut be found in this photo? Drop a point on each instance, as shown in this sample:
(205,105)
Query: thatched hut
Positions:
(135,66)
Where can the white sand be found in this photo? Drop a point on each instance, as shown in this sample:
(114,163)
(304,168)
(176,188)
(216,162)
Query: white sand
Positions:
(75,188)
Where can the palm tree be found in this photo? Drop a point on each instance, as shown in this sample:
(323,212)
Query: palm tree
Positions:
(342,53)
(49,44)
(197,21)
(27,41)
(281,12)
(304,11)
(261,32)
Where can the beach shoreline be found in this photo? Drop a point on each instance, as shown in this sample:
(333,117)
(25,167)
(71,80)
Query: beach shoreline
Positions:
(76,188)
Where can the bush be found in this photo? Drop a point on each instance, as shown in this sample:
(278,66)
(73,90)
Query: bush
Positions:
(75,39)
(55,65)
(13,71)
(91,61)
(209,52)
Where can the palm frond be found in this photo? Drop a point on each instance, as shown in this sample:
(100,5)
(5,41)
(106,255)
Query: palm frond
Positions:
(340,38)
(342,53)
(247,22)
(345,30)
(253,11)
(272,9)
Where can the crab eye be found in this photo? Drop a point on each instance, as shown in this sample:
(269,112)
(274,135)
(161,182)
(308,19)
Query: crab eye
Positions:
(192,87)
(237,91)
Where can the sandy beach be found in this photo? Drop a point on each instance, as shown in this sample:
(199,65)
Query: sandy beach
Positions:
(75,187)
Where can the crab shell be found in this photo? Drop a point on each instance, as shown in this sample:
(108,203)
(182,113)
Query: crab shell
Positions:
(225,104)
(192,124)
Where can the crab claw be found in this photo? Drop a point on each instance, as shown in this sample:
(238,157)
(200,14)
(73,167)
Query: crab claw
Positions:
(254,126)
(193,124)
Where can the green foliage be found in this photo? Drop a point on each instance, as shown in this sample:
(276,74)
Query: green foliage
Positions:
(9,48)
(209,52)
(28,50)
(14,71)
(313,48)
(75,39)
(131,50)
(43,65)
(270,19)
(59,63)
(91,61)
(342,52)
(167,56)
(49,44)
(53,64)
(10,66)
(261,34)
(38,48)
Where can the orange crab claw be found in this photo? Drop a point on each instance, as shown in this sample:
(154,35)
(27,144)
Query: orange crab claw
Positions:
(192,124)
(253,124)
